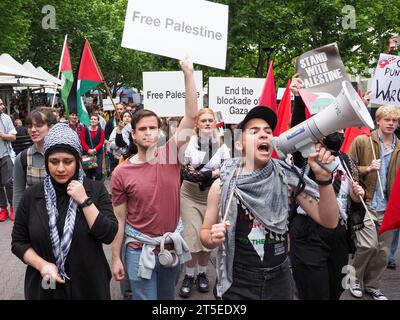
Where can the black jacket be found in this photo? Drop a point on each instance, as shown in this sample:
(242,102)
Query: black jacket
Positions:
(86,264)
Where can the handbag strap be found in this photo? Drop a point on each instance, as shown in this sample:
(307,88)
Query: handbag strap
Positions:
(90,137)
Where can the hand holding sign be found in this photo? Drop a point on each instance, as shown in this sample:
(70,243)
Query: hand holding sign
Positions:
(296,84)
(186,66)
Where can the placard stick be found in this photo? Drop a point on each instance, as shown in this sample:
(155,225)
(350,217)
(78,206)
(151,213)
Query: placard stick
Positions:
(232,192)
(362,200)
(379,174)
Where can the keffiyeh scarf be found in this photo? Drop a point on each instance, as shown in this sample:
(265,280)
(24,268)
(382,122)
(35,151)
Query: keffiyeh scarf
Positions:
(60,247)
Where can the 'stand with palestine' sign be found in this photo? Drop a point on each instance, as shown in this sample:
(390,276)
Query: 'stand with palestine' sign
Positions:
(196,29)
(323,72)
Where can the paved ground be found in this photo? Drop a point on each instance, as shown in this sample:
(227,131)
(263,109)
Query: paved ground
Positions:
(12,272)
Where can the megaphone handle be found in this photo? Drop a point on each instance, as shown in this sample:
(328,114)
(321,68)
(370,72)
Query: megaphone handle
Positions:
(330,167)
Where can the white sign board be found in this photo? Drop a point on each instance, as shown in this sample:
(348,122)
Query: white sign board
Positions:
(386,81)
(234,97)
(196,29)
(107,105)
(164,92)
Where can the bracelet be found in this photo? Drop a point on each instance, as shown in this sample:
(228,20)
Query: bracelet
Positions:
(205,228)
(323,182)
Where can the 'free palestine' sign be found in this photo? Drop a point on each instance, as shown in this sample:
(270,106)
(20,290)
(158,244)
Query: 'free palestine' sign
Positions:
(196,29)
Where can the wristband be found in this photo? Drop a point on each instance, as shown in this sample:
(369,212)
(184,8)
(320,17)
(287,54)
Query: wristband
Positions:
(324,182)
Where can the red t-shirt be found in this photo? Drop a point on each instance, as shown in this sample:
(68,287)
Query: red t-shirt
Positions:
(152,192)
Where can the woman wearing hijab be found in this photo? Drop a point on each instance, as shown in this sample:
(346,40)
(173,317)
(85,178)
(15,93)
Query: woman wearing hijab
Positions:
(61,225)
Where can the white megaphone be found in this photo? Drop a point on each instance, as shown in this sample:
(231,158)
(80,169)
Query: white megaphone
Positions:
(348,110)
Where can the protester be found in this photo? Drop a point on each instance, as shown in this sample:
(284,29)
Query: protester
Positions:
(7,155)
(145,194)
(252,243)
(92,140)
(204,156)
(373,249)
(29,166)
(318,254)
(61,225)
(110,126)
(21,130)
(114,149)
(74,124)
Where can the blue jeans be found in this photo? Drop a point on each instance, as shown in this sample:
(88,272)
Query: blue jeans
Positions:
(393,248)
(163,280)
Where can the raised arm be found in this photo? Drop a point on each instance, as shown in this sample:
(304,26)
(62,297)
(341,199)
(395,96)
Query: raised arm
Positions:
(185,128)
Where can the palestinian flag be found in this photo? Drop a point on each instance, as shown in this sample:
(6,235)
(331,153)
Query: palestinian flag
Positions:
(88,76)
(67,76)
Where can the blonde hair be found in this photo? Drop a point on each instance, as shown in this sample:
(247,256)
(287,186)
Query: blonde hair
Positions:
(391,112)
(199,114)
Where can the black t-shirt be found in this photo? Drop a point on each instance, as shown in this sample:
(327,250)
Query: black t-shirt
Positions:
(254,246)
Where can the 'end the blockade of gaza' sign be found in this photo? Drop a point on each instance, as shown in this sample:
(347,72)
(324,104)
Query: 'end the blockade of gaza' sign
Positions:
(234,97)
(386,81)
(196,29)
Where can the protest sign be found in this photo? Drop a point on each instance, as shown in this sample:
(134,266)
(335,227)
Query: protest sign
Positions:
(196,29)
(234,97)
(107,104)
(164,92)
(323,72)
(386,81)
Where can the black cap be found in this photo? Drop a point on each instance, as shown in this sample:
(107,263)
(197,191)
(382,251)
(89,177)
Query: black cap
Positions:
(260,112)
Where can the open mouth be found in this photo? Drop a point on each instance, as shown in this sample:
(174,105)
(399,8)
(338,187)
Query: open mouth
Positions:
(264,148)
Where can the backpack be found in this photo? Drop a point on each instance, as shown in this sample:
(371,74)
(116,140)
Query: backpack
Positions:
(24,159)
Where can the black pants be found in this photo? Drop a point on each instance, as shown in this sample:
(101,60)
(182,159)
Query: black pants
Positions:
(317,255)
(260,284)
(6,181)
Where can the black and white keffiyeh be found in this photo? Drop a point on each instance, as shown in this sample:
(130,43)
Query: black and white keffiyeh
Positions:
(59,246)
(61,135)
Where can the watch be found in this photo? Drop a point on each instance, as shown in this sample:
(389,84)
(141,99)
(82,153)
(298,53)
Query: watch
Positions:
(88,201)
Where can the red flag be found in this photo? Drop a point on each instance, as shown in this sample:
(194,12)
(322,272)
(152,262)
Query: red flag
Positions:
(284,112)
(350,134)
(88,69)
(268,95)
(360,93)
(391,219)
(65,60)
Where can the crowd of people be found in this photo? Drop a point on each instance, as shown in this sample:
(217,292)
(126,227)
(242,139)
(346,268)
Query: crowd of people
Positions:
(178,190)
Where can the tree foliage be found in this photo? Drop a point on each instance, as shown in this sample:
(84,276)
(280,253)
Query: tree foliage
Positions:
(259,30)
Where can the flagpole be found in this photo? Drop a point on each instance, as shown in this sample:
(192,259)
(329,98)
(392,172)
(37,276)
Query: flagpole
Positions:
(379,174)
(59,71)
(117,116)
(362,200)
